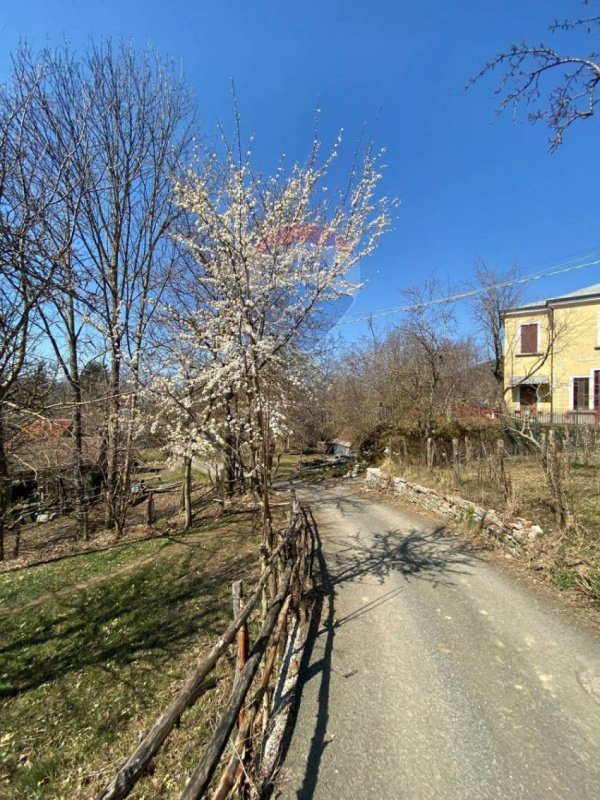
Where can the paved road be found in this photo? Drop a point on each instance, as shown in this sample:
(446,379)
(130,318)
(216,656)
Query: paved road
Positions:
(432,675)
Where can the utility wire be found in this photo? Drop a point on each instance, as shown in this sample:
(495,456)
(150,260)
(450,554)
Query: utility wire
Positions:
(384,312)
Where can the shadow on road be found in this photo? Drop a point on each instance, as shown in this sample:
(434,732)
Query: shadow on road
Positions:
(414,555)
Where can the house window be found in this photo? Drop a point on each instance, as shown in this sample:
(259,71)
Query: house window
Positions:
(581,394)
(597,390)
(529,338)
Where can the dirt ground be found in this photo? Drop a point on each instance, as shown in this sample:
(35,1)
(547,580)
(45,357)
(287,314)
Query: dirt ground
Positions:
(43,542)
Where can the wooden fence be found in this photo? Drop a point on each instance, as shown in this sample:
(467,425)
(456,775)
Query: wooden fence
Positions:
(288,576)
(518,437)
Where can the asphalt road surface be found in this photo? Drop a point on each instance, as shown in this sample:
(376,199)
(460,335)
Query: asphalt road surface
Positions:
(430,673)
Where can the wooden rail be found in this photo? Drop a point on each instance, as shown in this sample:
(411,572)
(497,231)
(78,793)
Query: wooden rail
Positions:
(290,565)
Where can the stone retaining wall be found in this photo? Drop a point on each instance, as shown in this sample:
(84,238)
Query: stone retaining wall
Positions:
(514,533)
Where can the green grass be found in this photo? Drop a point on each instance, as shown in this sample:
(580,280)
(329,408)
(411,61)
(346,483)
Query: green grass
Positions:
(287,465)
(26,584)
(565,579)
(289,462)
(151,455)
(85,671)
(320,473)
(176,474)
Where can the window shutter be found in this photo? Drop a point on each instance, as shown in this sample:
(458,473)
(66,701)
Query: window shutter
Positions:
(581,394)
(529,338)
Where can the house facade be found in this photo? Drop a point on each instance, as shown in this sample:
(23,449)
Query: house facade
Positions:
(552,356)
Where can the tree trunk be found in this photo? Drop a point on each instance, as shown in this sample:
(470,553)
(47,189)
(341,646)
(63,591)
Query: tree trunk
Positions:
(74,381)
(112,456)
(122,504)
(555,478)
(187,491)
(229,471)
(4,484)
(81,513)
(231,447)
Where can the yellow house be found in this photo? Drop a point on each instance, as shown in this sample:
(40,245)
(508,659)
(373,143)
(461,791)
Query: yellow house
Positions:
(552,356)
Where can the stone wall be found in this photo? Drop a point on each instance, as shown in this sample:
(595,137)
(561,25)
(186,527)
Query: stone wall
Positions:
(513,533)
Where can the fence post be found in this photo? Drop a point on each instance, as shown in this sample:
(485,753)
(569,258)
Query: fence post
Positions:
(456,460)
(505,480)
(429,453)
(150,513)
(585,439)
(468,450)
(237,592)
(544,446)
(566,449)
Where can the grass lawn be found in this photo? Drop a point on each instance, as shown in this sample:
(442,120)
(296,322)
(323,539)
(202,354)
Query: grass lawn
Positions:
(93,647)
(288,469)
(176,474)
(288,464)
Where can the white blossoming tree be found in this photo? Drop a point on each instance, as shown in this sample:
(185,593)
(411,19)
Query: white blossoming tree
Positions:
(178,407)
(267,257)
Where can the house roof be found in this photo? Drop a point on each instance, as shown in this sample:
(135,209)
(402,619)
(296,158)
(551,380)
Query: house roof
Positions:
(342,442)
(579,294)
(585,292)
(44,428)
(46,456)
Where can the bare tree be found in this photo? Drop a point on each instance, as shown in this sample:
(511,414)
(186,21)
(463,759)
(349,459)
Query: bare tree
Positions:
(427,328)
(414,374)
(26,198)
(127,121)
(61,119)
(560,89)
(495,292)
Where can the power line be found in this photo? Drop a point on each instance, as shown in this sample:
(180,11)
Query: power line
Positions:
(384,312)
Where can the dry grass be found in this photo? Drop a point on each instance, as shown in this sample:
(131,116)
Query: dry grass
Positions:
(58,539)
(569,559)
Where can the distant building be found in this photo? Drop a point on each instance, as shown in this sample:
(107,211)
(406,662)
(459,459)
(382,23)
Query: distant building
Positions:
(341,447)
(552,356)
(41,460)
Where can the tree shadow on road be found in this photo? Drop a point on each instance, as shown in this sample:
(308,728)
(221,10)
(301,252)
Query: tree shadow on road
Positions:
(431,556)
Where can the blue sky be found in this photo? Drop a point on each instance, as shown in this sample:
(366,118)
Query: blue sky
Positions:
(471,184)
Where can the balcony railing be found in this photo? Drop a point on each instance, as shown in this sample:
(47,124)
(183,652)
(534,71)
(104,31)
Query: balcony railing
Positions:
(576,418)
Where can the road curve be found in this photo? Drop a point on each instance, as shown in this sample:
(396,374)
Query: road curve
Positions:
(431,675)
